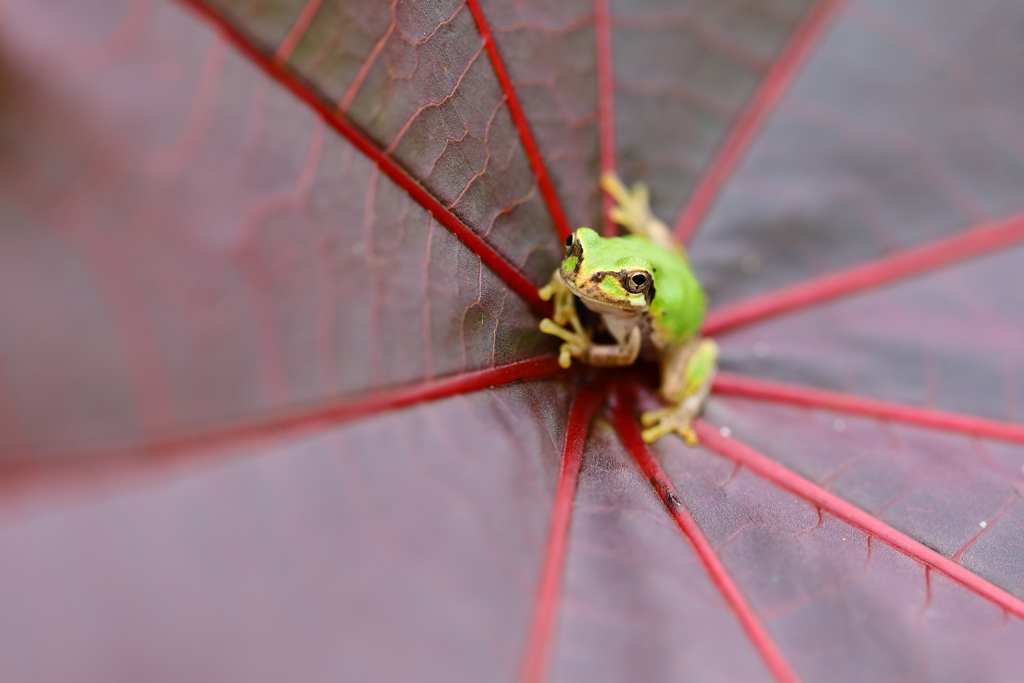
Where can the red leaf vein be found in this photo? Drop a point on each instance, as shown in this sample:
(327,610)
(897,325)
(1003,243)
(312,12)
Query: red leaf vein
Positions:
(284,50)
(323,416)
(172,159)
(629,432)
(972,242)
(605,103)
(735,385)
(549,586)
(547,188)
(505,270)
(769,469)
(357,82)
(989,523)
(749,123)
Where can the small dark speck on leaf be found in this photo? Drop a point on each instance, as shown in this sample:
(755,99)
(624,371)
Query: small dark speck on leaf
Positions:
(666,494)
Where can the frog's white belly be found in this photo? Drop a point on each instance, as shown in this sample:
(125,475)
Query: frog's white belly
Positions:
(619,322)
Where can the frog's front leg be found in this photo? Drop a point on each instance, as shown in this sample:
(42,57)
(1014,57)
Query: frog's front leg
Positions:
(576,339)
(564,302)
(578,343)
(686,379)
(582,347)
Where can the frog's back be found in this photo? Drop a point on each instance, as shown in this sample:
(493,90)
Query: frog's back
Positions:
(677,310)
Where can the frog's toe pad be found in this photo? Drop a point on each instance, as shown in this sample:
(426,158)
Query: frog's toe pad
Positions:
(652,417)
(689,435)
(672,418)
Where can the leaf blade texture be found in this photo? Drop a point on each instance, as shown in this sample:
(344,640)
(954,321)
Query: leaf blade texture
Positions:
(273,401)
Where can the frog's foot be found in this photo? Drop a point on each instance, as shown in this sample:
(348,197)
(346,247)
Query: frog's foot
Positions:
(577,344)
(580,346)
(565,322)
(672,418)
(633,212)
(632,209)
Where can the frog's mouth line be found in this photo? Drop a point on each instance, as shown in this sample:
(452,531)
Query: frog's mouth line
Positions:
(598,301)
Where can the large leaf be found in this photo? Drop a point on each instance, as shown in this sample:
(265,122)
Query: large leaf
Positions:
(264,265)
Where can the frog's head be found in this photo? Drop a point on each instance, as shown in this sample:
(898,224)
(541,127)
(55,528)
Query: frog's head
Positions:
(601,275)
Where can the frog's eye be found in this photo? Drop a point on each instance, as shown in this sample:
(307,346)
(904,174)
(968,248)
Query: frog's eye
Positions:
(569,240)
(638,282)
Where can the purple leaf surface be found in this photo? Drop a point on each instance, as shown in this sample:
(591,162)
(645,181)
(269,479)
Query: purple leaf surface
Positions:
(273,400)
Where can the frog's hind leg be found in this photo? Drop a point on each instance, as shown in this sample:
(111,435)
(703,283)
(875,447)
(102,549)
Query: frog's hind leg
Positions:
(632,211)
(685,386)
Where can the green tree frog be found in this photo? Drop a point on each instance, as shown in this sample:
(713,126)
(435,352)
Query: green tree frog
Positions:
(649,301)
